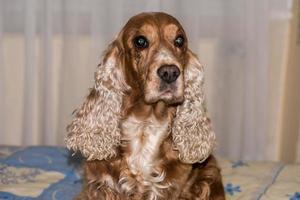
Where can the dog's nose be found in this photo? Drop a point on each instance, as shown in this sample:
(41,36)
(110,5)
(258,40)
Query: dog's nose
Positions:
(168,73)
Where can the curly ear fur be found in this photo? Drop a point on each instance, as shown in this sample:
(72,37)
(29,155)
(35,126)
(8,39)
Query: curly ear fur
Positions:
(95,130)
(191,132)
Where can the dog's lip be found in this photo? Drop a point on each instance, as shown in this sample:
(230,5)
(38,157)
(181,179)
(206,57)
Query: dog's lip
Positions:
(167,91)
(171,101)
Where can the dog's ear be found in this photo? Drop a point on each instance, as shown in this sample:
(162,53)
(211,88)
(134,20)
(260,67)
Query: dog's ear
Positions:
(191,131)
(95,130)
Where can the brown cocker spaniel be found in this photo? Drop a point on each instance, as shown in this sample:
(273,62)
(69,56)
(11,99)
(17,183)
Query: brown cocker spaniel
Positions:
(143,128)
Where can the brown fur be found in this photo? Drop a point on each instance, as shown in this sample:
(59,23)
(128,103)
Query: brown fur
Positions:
(143,144)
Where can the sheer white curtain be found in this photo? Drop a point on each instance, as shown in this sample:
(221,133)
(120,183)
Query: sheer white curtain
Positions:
(49,50)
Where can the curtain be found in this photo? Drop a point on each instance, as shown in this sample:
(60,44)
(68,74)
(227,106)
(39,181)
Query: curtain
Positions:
(49,50)
(290,111)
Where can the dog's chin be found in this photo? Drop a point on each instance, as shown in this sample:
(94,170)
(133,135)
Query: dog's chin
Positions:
(168,98)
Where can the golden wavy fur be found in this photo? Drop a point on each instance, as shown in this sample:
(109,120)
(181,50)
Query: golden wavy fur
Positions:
(143,128)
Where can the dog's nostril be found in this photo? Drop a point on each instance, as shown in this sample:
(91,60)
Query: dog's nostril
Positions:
(175,73)
(168,73)
(165,75)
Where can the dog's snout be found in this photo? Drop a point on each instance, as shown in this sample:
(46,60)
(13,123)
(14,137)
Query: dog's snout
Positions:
(168,73)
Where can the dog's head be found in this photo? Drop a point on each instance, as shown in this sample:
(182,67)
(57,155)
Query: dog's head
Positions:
(150,58)
(155,48)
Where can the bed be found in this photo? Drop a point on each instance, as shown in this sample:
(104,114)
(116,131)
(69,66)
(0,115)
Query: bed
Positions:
(42,172)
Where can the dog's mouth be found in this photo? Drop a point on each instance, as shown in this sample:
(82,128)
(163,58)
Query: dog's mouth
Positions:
(167,92)
(158,90)
(169,96)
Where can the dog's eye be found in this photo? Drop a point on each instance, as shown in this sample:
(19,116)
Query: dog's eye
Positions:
(179,41)
(140,42)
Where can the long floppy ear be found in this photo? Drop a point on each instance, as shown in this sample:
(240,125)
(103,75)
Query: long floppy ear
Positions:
(95,130)
(191,131)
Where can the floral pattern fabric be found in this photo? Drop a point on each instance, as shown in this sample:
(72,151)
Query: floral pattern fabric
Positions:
(52,173)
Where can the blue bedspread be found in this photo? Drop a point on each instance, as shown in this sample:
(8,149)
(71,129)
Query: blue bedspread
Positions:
(38,173)
(51,173)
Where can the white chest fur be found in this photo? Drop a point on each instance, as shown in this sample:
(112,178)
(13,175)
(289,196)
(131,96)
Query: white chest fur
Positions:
(145,138)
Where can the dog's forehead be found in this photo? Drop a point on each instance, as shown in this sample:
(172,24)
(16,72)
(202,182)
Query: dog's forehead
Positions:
(153,20)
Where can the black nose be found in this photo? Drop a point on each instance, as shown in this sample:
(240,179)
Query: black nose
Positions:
(168,73)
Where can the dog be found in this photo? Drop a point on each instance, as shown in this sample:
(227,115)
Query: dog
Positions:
(143,128)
